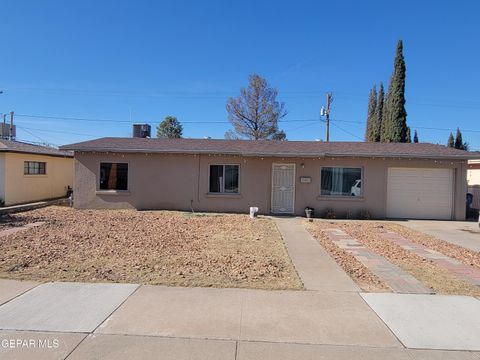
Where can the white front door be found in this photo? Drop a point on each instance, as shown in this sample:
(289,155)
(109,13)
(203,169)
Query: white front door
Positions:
(419,193)
(283,188)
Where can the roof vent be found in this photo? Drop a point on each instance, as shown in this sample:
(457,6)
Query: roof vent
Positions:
(142,130)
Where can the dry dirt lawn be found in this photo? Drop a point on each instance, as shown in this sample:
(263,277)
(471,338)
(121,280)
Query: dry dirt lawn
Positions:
(370,234)
(148,247)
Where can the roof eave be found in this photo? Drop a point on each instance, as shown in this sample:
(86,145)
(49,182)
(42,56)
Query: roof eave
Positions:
(283,155)
(34,153)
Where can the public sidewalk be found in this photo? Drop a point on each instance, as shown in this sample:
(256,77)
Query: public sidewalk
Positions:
(128,321)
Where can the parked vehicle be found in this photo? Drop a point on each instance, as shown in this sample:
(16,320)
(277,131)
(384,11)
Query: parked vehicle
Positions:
(356,189)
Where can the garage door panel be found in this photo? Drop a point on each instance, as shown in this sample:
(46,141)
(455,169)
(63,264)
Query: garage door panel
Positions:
(420,193)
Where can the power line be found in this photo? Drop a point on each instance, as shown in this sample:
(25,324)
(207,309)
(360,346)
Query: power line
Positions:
(70,118)
(57,131)
(346,132)
(469,104)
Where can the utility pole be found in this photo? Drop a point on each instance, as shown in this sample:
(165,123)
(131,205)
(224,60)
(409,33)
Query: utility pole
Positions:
(12,135)
(326,113)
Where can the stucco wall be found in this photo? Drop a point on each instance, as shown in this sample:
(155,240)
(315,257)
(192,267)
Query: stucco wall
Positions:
(2,176)
(181,182)
(473,177)
(20,188)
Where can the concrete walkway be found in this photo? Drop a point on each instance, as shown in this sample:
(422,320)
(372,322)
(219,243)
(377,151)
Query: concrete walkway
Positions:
(16,229)
(127,321)
(32,206)
(461,233)
(317,270)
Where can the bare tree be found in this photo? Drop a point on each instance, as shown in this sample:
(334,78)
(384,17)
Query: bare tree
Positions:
(255,113)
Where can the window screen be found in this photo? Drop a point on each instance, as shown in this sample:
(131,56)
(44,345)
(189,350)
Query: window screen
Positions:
(337,181)
(113,176)
(223,178)
(34,168)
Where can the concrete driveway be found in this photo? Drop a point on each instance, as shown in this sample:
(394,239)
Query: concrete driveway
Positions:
(462,233)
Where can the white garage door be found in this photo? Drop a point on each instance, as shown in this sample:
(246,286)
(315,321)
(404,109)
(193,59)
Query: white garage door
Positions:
(420,193)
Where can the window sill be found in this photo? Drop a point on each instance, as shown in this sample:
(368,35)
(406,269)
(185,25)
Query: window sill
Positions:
(112,192)
(224,195)
(35,175)
(340,198)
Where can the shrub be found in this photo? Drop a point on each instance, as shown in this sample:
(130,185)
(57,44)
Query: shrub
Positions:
(2,202)
(350,215)
(330,214)
(364,215)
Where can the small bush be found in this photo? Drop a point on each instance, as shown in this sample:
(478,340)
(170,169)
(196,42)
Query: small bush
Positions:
(2,202)
(364,215)
(350,215)
(330,214)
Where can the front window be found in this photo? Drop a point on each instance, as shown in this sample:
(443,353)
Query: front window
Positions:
(113,176)
(224,179)
(338,181)
(34,168)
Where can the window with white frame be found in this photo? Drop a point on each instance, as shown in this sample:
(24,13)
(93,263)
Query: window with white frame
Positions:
(341,181)
(224,179)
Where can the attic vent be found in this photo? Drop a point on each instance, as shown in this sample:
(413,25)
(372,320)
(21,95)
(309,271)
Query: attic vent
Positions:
(142,130)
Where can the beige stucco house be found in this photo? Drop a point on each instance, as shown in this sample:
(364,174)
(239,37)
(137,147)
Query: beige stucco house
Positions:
(279,177)
(31,173)
(473,172)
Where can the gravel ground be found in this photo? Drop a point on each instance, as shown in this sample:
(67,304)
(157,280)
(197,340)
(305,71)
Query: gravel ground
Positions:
(364,278)
(150,247)
(369,233)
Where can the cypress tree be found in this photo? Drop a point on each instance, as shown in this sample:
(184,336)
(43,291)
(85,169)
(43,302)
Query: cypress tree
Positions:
(395,119)
(409,135)
(451,141)
(459,144)
(379,113)
(415,137)
(372,105)
(384,125)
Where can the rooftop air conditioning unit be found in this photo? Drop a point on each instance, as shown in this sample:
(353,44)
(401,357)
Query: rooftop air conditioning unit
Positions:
(142,130)
(5,131)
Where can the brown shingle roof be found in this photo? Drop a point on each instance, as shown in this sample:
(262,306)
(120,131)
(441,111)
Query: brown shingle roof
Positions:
(268,148)
(21,147)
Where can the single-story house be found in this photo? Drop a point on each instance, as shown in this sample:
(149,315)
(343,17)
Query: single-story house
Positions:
(473,181)
(31,173)
(393,180)
(473,172)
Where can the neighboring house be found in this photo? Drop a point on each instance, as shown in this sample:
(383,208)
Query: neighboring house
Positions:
(397,180)
(31,173)
(473,181)
(473,172)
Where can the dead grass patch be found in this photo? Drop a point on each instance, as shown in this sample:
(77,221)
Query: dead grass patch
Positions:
(148,247)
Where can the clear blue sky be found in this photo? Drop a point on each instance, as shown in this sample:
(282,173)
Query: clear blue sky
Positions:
(109,59)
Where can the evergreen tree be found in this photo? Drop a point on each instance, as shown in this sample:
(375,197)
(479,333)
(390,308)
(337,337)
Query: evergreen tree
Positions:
(415,137)
(170,128)
(409,135)
(451,141)
(459,144)
(372,105)
(395,118)
(379,113)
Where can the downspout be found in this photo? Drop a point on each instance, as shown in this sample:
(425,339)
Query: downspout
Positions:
(198,186)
